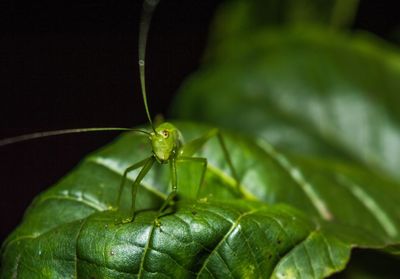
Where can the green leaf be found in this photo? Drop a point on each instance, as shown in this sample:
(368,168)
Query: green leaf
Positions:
(238,18)
(313,185)
(196,239)
(325,107)
(69,231)
(307,91)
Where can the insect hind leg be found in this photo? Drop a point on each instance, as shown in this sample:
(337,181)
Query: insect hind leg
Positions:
(193,146)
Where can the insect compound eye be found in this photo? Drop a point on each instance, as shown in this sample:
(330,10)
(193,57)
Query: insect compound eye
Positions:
(165,133)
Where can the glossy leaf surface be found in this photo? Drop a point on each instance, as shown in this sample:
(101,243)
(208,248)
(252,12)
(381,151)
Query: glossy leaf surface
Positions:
(70,230)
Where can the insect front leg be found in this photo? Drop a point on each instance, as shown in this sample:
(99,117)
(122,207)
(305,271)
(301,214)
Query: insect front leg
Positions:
(174,180)
(174,184)
(146,165)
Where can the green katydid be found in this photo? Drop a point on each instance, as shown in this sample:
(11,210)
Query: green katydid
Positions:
(165,139)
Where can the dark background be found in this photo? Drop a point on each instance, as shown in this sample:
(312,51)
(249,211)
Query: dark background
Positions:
(69,65)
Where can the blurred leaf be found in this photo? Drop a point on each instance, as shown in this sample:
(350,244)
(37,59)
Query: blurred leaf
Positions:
(317,96)
(305,91)
(238,18)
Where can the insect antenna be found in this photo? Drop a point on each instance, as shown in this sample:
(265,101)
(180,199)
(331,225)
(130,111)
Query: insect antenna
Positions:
(45,134)
(147,13)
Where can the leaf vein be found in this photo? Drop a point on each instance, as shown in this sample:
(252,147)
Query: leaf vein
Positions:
(296,175)
(98,206)
(251,251)
(309,260)
(76,247)
(370,204)
(233,226)
(145,250)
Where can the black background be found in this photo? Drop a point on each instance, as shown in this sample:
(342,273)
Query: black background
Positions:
(68,65)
